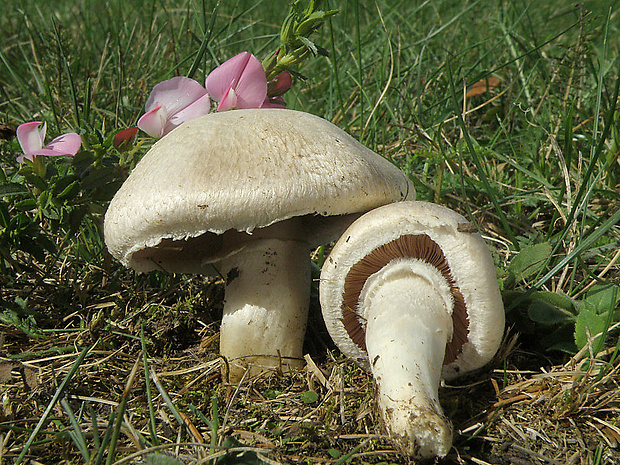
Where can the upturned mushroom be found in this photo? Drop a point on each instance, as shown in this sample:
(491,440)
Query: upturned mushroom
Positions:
(246,194)
(410,293)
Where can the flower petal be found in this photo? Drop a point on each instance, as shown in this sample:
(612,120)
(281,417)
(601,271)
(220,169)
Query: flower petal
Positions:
(252,86)
(200,107)
(274,102)
(123,140)
(21,158)
(229,100)
(226,75)
(175,94)
(30,137)
(67,144)
(45,152)
(280,84)
(154,122)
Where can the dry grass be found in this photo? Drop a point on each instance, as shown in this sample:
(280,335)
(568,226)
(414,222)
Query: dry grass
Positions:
(566,414)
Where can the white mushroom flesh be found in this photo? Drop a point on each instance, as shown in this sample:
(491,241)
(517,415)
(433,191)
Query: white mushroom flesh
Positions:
(266,306)
(410,293)
(408,324)
(208,190)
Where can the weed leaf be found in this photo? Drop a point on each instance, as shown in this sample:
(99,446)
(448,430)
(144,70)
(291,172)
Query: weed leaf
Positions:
(239,457)
(550,308)
(309,397)
(26,324)
(602,298)
(527,263)
(161,459)
(588,325)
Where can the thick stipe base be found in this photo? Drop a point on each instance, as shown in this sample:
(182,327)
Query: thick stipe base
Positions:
(266,306)
(407,328)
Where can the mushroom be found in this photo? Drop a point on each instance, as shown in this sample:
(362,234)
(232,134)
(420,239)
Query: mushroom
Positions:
(410,293)
(246,195)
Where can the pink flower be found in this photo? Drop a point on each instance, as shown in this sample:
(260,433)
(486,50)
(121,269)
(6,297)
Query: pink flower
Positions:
(276,88)
(280,84)
(239,82)
(274,102)
(123,140)
(31,140)
(171,103)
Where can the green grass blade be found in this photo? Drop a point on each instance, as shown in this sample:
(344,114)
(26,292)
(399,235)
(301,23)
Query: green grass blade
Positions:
(335,77)
(149,396)
(105,441)
(590,177)
(488,189)
(166,398)
(67,69)
(121,412)
(584,245)
(57,395)
(77,434)
(95,427)
(205,41)
(358,50)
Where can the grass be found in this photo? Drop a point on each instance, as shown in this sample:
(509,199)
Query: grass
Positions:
(98,359)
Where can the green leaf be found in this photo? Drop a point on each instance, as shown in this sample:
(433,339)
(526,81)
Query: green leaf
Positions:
(309,397)
(12,188)
(99,177)
(602,298)
(544,313)
(83,160)
(309,45)
(161,459)
(588,325)
(26,324)
(270,394)
(70,192)
(45,243)
(556,299)
(105,193)
(66,187)
(74,219)
(334,453)
(527,263)
(567,347)
(5,216)
(36,181)
(43,199)
(551,308)
(26,205)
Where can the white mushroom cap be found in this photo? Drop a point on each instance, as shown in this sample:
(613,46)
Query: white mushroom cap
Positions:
(238,171)
(410,292)
(250,191)
(442,237)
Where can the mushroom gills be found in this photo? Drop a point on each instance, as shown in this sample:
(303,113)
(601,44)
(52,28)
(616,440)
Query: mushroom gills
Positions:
(408,324)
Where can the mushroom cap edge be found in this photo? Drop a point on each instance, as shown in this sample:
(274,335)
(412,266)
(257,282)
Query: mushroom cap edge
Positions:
(165,197)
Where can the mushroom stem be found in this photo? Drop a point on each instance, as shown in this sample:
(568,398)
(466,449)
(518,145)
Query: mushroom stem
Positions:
(408,326)
(266,306)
